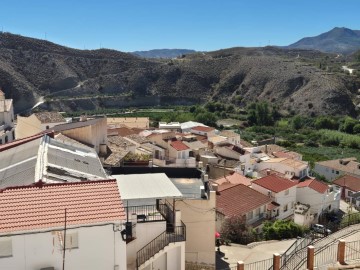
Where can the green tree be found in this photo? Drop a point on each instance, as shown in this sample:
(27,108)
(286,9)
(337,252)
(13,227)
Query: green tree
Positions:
(206,118)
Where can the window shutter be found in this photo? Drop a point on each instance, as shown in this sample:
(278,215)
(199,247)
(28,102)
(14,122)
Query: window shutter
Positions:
(5,247)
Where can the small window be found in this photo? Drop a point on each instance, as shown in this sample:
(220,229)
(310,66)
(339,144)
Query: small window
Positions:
(332,171)
(71,240)
(5,247)
(287,192)
(337,172)
(285,208)
(47,127)
(6,139)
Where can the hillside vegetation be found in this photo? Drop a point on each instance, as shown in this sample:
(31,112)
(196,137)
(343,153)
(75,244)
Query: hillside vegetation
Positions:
(66,79)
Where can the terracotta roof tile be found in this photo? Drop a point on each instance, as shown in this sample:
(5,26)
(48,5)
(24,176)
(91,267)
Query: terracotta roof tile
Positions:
(40,206)
(50,117)
(239,200)
(203,129)
(274,183)
(314,184)
(179,145)
(348,181)
(234,178)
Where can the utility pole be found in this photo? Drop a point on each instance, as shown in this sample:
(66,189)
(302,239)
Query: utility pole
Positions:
(64,245)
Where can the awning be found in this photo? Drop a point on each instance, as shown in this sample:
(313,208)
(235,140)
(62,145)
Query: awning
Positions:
(146,186)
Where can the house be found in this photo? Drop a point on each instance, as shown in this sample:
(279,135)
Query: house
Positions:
(204,131)
(92,132)
(319,196)
(197,212)
(150,217)
(232,137)
(173,126)
(41,157)
(7,130)
(349,186)
(187,126)
(130,122)
(291,168)
(33,221)
(36,123)
(241,201)
(332,169)
(231,151)
(281,190)
(180,153)
(234,178)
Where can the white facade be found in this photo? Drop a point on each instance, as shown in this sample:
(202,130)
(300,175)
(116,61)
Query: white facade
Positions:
(285,198)
(319,202)
(7,130)
(99,247)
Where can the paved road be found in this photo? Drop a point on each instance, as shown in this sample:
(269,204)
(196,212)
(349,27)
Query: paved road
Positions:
(230,255)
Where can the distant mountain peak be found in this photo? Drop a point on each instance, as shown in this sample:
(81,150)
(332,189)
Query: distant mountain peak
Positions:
(337,40)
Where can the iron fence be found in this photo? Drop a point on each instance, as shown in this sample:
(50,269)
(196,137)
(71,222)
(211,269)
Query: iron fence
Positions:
(146,213)
(264,264)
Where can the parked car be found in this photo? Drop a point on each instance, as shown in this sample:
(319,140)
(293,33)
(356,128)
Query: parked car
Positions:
(318,228)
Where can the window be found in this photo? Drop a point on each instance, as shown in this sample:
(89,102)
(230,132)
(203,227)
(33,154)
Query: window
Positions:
(287,192)
(250,215)
(257,212)
(5,247)
(292,205)
(350,193)
(337,172)
(285,208)
(71,240)
(6,139)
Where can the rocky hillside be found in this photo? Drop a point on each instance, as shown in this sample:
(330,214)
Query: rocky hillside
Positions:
(33,71)
(163,53)
(338,40)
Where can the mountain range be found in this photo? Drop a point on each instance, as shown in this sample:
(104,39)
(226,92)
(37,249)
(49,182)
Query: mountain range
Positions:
(338,40)
(36,71)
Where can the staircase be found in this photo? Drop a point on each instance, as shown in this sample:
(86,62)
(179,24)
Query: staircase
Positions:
(171,235)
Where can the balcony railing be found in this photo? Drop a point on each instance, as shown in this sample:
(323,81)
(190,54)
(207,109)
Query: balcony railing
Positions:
(149,213)
(159,243)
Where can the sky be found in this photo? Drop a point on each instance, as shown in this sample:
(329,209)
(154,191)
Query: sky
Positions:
(203,25)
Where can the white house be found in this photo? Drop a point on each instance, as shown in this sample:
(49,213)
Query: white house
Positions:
(332,169)
(281,190)
(7,130)
(319,196)
(232,137)
(33,221)
(150,218)
(291,168)
(203,131)
(187,126)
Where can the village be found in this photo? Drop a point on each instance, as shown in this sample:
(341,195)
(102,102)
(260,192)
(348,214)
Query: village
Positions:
(116,193)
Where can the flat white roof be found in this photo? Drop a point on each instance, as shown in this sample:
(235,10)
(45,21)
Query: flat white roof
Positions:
(146,186)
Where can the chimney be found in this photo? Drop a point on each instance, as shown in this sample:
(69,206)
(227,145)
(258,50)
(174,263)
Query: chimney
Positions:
(102,149)
(341,161)
(200,164)
(268,171)
(206,178)
(215,187)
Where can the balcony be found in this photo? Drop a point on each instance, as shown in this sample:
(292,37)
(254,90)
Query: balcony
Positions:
(151,213)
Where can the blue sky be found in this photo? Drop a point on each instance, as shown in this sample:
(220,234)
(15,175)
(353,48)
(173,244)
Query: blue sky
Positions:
(201,25)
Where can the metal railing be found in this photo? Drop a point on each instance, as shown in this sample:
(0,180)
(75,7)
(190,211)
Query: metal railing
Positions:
(352,251)
(147,213)
(326,255)
(264,264)
(160,242)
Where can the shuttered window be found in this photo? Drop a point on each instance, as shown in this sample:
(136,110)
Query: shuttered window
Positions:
(5,247)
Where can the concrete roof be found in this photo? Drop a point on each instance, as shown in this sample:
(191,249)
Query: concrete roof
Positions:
(146,186)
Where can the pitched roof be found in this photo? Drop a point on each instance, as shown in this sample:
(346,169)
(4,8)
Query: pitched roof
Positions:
(203,129)
(315,185)
(49,117)
(38,207)
(179,145)
(121,131)
(239,199)
(274,183)
(235,178)
(349,182)
(119,141)
(347,165)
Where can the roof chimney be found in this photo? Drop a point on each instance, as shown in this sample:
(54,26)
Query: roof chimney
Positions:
(268,171)
(215,187)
